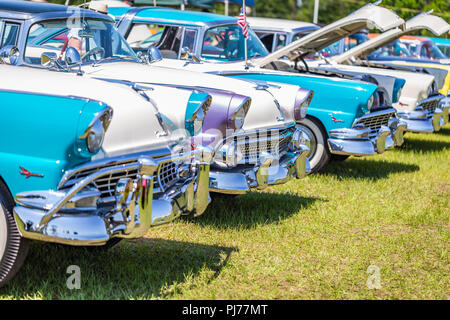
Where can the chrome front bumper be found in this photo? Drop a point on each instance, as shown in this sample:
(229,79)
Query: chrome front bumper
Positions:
(75,215)
(430,115)
(357,141)
(421,121)
(270,171)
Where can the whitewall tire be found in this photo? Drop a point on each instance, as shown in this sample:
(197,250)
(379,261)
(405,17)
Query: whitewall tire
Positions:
(319,154)
(13,248)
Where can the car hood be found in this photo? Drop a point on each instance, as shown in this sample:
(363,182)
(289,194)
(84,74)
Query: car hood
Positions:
(424,20)
(134,126)
(415,85)
(368,16)
(263,111)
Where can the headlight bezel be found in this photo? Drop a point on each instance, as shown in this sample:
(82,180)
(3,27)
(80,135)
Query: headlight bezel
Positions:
(237,120)
(302,101)
(94,135)
(194,124)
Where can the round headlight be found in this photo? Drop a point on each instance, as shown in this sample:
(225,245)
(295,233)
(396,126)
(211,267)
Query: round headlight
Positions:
(399,94)
(198,121)
(370,102)
(95,136)
(302,101)
(239,119)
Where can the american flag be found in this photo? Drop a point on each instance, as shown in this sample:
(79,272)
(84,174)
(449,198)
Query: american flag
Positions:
(242,22)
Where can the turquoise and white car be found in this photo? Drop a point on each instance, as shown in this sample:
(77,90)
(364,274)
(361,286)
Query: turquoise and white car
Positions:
(345,117)
(83,162)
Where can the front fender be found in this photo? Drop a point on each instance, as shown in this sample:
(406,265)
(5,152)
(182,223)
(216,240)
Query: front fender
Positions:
(38,135)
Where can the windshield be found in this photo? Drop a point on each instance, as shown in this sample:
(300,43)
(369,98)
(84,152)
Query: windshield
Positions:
(93,39)
(227,43)
(393,49)
(425,50)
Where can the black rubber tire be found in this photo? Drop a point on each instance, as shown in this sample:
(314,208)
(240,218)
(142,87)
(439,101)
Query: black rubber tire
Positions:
(320,155)
(13,248)
(339,157)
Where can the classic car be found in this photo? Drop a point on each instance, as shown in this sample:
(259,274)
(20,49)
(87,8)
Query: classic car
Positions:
(416,87)
(73,170)
(247,140)
(442,44)
(275,34)
(426,115)
(339,120)
(422,47)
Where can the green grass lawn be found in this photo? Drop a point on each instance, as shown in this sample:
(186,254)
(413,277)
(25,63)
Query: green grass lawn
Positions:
(309,239)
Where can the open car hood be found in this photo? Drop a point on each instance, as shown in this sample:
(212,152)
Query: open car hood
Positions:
(369,16)
(424,20)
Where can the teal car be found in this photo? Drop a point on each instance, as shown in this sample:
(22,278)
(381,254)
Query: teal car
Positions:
(349,114)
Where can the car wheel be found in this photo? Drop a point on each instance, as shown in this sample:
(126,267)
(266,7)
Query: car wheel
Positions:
(318,155)
(13,248)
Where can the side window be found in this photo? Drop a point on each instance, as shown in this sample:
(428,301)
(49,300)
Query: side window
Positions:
(165,38)
(189,39)
(281,41)
(267,39)
(10,34)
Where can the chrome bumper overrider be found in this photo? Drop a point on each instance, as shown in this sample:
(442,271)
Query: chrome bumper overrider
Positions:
(77,216)
(359,141)
(270,171)
(425,121)
(430,115)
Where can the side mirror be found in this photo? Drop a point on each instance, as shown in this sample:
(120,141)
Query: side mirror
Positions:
(187,54)
(9,55)
(48,59)
(153,54)
(72,57)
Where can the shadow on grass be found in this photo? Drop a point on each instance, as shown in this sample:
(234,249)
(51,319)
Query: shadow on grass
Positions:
(143,268)
(367,169)
(252,209)
(420,145)
(444,132)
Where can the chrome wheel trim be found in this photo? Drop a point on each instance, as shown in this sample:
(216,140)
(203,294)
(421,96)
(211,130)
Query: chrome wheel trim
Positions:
(312,138)
(3,232)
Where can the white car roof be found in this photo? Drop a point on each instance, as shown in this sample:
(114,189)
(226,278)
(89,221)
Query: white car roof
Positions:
(278,24)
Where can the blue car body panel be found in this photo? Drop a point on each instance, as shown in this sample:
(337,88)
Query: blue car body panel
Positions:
(42,138)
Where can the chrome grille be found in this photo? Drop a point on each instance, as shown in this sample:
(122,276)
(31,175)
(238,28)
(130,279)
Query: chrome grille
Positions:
(271,141)
(167,175)
(430,104)
(375,120)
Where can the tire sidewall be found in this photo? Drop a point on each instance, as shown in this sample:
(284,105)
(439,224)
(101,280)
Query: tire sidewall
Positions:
(16,247)
(321,156)
(4,232)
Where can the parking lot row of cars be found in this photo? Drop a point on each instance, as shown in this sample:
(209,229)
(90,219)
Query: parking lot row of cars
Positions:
(115,123)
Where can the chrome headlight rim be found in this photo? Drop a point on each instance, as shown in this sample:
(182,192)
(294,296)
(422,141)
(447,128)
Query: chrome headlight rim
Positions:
(195,123)
(302,103)
(94,135)
(371,100)
(238,118)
